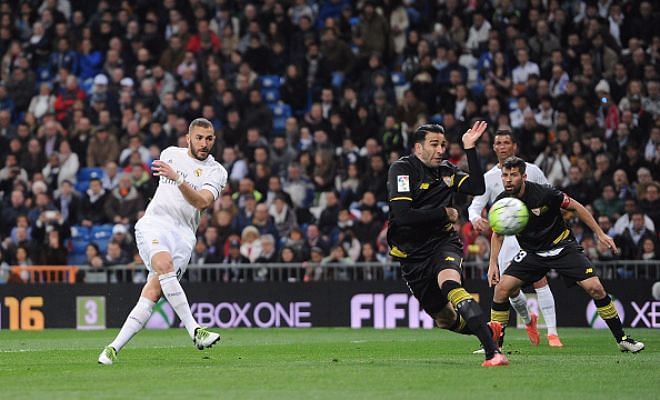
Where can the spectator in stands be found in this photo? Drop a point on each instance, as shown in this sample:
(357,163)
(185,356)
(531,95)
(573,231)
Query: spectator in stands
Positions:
(234,257)
(622,187)
(236,167)
(263,221)
(11,172)
(294,89)
(284,218)
(124,202)
(372,33)
(339,272)
(650,203)
(633,237)
(115,255)
(245,213)
(298,187)
(68,203)
(53,251)
(92,210)
(375,180)
(213,245)
(103,148)
(250,243)
(608,203)
(93,257)
(649,250)
(579,188)
(268,252)
(625,220)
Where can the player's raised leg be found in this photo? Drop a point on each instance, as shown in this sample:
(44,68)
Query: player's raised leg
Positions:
(171,288)
(607,311)
(135,321)
(471,315)
(546,302)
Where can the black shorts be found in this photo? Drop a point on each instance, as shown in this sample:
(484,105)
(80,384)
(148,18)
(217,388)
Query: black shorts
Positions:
(422,276)
(571,264)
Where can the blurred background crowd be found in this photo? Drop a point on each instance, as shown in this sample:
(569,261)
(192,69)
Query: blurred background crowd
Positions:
(311,101)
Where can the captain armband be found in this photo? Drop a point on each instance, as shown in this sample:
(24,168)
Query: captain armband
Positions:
(566,201)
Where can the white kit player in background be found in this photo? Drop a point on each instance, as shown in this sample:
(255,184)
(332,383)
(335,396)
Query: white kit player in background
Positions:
(504,145)
(190,181)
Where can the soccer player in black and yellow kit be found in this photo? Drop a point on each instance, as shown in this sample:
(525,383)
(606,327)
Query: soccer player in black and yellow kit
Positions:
(422,237)
(546,243)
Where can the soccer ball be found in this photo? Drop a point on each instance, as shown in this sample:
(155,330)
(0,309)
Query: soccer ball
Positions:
(508,216)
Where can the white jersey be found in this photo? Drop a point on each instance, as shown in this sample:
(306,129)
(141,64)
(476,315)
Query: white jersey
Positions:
(168,205)
(494,187)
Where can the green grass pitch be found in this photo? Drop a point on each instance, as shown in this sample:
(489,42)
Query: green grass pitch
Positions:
(323,363)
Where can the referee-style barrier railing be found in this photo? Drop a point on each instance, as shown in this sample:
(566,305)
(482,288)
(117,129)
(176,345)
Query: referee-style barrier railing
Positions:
(308,272)
(45,273)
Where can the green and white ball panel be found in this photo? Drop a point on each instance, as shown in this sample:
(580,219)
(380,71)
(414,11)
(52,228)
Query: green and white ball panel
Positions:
(508,216)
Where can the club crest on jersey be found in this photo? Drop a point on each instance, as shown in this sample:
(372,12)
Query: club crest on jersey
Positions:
(403,183)
(449,180)
(198,172)
(539,211)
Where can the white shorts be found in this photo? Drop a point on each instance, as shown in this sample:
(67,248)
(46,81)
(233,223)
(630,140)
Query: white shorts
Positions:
(152,238)
(510,248)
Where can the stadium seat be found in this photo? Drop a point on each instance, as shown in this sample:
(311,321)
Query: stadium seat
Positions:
(400,84)
(77,259)
(337,79)
(100,232)
(398,79)
(270,95)
(87,173)
(44,74)
(81,186)
(79,231)
(79,245)
(270,82)
(281,112)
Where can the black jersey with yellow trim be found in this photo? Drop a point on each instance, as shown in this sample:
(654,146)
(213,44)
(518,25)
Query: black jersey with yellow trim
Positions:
(429,190)
(546,228)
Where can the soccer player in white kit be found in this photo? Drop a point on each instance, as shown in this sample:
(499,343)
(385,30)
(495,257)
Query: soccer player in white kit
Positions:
(190,181)
(505,146)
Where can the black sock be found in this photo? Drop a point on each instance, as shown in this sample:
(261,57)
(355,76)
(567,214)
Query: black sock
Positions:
(470,311)
(610,315)
(461,326)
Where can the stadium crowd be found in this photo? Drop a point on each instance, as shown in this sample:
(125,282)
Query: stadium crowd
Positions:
(311,101)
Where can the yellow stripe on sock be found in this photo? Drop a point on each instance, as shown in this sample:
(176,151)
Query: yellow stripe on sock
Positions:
(457,295)
(500,316)
(608,311)
(461,324)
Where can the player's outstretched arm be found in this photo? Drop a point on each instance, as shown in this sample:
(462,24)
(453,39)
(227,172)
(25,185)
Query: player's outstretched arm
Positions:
(476,208)
(586,217)
(474,183)
(495,247)
(199,199)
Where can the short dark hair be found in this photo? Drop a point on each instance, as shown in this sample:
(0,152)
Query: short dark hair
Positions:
(420,134)
(506,132)
(201,122)
(515,162)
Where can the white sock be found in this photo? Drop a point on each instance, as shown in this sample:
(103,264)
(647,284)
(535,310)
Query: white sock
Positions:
(175,295)
(519,304)
(134,322)
(547,306)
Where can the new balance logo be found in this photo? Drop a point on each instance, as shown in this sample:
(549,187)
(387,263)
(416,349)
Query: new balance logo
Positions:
(589,271)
